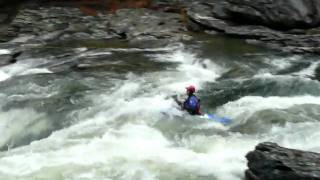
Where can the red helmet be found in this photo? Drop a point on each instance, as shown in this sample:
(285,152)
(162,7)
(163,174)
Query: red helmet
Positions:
(191,89)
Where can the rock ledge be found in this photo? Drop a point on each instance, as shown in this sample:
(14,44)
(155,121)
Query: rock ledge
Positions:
(272,162)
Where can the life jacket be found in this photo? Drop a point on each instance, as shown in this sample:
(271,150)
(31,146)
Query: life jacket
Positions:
(192,104)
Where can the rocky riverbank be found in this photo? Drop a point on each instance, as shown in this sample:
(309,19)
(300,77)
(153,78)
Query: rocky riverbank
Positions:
(48,24)
(272,162)
(284,25)
(57,25)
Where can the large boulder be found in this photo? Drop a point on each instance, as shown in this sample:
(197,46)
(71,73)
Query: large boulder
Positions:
(286,26)
(5,2)
(280,14)
(8,10)
(272,162)
(277,14)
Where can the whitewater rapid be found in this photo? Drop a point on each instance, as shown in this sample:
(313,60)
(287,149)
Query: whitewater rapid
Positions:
(132,129)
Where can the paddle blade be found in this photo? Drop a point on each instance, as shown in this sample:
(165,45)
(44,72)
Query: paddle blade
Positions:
(222,120)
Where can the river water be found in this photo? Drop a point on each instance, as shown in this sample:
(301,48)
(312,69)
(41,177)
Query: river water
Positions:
(101,111)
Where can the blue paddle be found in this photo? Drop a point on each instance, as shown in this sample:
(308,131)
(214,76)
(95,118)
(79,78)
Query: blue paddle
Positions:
(222,120)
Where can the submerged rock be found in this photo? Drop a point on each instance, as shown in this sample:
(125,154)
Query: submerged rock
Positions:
(6,59)
(272,162)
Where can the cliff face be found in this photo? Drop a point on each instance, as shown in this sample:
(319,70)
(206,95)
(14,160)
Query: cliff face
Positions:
(272,162)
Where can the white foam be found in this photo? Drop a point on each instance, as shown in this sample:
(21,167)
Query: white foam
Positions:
(4,76)
(279,64)
(282,63)
(191,70)
(169,48)
(116,138)
(296,135)
(88,53)
(134,149)
(246,106)
(13,129)
(36,71)
(22,68)
(82,49)
(308,72)
(4,51)
(146,97)
(267,75)
(143,152)
(264,75)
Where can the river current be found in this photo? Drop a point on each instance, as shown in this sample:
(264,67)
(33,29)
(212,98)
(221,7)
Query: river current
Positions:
(101,112)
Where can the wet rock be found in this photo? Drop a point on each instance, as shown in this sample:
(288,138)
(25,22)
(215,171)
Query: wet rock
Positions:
(244,19)
(6,2)
(201,14)
(7,33)
(140,24)
(3,17)
(61,23)
(272,162)
(7,59)
(78,27)
(50,24)
(82,35)
(282,14)
(8,10)
(317,73)
(278,14)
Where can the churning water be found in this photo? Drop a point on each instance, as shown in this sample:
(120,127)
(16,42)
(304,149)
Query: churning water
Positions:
(114,119)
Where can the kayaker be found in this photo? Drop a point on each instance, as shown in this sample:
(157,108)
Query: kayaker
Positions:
(192,103)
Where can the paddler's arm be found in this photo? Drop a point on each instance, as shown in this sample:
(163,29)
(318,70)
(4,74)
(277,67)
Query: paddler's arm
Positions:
(198,108)
(175,98)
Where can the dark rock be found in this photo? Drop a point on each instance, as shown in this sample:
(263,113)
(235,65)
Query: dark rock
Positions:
(8,10)
(201,14)
(7,59)
(282,14)
(3,17)
(140,24)
(297,31)
(7,33)
(252,20)
(251,31)
(16,55)
(6,2)
(272,162)
(212,32)
(51,24)
(317,73)
(82,35)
